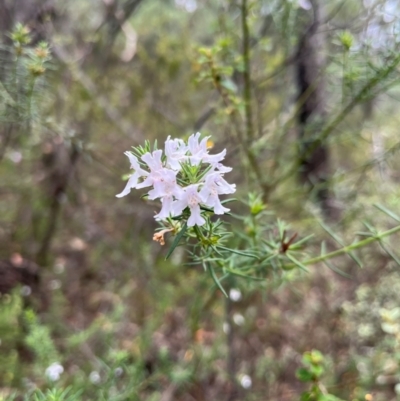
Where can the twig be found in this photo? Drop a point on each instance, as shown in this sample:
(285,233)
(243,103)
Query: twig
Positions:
(246,74)
(346,249)
(368,87)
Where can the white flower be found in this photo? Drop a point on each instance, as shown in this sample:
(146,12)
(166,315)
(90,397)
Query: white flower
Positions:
(175,150)
(94,377)
(226,327)
(235,294)
(26,291)
(165,188)
(215,185)
(133,179)
(246,381)
(166,209)
(190,198)
(153,160)
(199,154)
(221,168)
(197,150)
(164,168)
(223,187)
(214,160)
(238,319)
(165,184)
(54,371)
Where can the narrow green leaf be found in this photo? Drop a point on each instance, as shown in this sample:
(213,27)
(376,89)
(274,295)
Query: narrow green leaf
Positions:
(176,240)
(300,242)
(355,258)
(269,257)
(387,211)
(336,270)
(215,249)
(228,200)
(296,262)
(237,216)
(340,242)
(329,265)
(323,248)
(389,252)
(216,281)
(281,228)
(331,233)
(249,255)
(236,272)
(370,228)
(364,234)
(207,209)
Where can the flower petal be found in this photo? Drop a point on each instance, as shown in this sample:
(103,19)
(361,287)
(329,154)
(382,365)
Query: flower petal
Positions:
(132,183)
(195,216)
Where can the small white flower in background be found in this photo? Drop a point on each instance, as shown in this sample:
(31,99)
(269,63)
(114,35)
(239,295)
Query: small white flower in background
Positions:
(15,157)
(305,4)
(54,371)
(238,319)
(55,284)
(226,328)
(168,177)
(26,291)
(235,295)
(94,377)
(246,381)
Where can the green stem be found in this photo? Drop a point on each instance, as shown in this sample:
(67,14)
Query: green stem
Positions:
(248,151)
(344,68)
(347,249)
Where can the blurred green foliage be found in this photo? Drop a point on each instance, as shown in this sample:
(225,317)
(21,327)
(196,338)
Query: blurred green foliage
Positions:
(125,324)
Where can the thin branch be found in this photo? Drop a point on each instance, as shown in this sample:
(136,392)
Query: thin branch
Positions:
(366,89)
(246,74)
(346,249)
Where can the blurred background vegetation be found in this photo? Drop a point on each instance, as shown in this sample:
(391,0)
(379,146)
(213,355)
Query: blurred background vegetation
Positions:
(304,96)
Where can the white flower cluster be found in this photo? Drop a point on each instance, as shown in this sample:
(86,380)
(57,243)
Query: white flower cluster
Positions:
(53,372)
(161,172)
